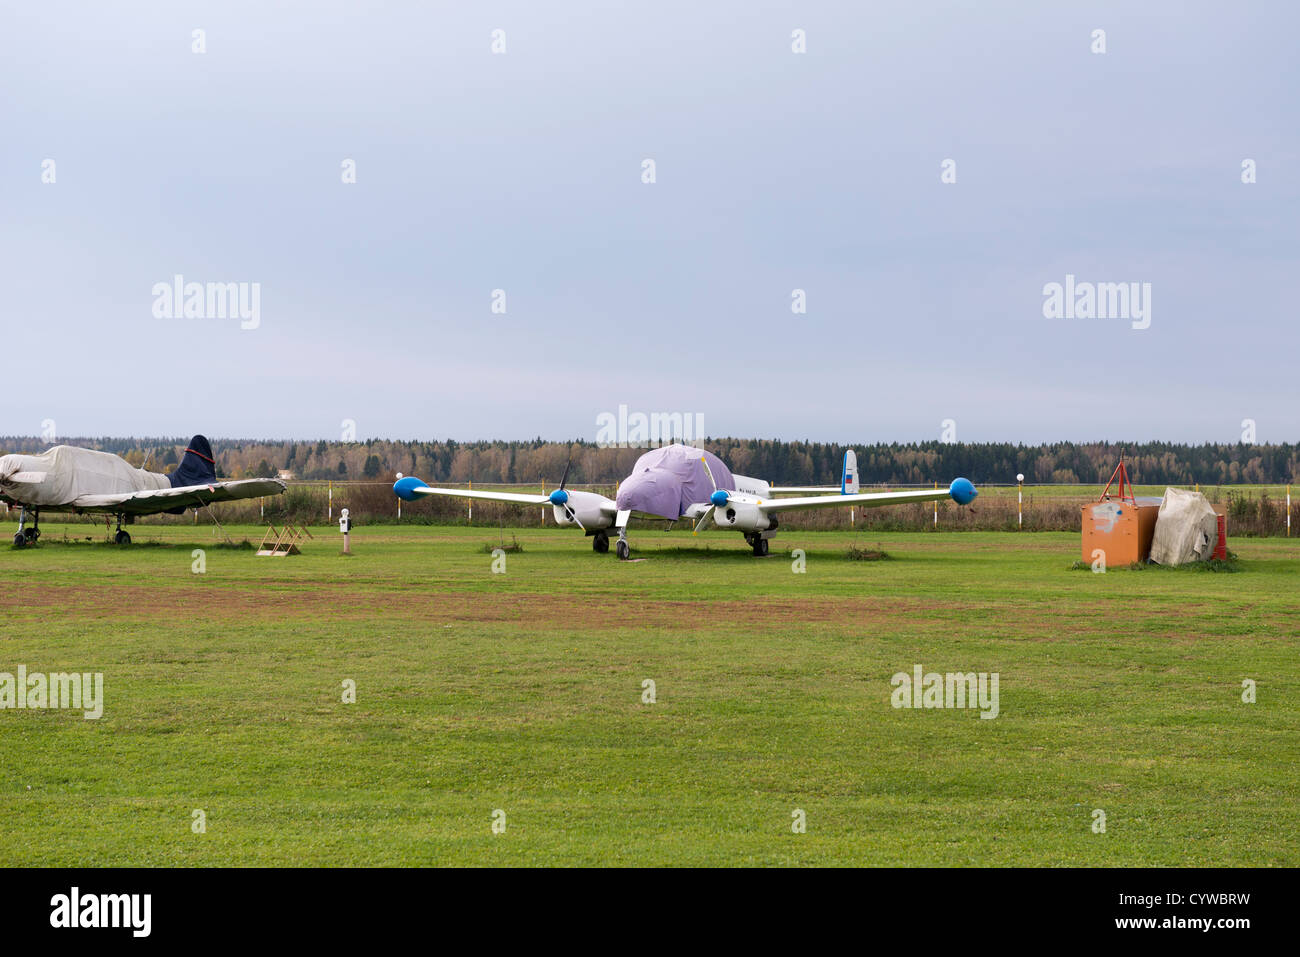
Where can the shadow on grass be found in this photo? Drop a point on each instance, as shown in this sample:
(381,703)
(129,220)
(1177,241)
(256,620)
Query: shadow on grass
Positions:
(109,545)
(742,554)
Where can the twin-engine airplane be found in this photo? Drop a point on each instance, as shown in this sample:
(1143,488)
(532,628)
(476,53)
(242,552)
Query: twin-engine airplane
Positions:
(678,481)
(69,479)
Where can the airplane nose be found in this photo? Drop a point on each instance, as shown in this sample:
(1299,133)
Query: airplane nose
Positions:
(558,497)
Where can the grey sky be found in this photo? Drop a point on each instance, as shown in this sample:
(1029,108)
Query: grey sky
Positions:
(775,171)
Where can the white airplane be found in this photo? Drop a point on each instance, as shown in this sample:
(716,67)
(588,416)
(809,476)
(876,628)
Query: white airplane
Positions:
(68,479)
(678,481)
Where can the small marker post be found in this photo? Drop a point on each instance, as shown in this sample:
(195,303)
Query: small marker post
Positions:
(1020,501)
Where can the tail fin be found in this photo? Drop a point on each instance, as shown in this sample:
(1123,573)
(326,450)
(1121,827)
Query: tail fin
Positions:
(197,467)
(849,480)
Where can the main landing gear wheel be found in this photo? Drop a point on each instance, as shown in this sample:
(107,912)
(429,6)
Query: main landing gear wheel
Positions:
(760,547)
(31,534)
(622,549)
(121,538)
(600,543)
(20,540)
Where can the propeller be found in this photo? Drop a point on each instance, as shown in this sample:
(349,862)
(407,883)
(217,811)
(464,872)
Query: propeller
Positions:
(560,498)
(717,500)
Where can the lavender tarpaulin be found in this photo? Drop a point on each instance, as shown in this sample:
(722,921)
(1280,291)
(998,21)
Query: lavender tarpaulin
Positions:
(667,480)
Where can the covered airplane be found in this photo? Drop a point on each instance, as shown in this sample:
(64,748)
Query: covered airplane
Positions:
(680,481)
(69,479)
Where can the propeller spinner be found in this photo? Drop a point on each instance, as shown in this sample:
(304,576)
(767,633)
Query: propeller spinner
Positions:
(560,498)
(717,500)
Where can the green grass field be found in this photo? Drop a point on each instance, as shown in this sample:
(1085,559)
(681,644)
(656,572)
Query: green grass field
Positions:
(523,692)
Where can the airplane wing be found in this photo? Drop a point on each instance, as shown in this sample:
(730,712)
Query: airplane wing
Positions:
(587,510)
(960,491)
(862,500)
(188,496)
(411,490)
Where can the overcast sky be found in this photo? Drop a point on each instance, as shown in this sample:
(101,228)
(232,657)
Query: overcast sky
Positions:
(774,171)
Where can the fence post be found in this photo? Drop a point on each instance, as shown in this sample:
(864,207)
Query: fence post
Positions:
(1020,501)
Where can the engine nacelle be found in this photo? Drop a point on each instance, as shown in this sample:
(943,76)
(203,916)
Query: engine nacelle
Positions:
(741,516)
(589,509)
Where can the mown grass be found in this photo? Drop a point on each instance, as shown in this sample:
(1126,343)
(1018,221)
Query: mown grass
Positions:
(523,692)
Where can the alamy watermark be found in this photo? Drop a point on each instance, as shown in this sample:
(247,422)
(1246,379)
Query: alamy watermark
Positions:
(38,691)
(77,909)
(1098,300)
(931,689)
(639,430)
(179,299)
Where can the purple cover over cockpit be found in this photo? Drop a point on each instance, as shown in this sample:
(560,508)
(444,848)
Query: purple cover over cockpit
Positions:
(665,481)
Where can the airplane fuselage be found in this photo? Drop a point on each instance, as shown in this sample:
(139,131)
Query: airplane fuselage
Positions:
(61,478)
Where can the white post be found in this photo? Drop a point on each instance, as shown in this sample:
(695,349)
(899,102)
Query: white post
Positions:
(936,507)
(331,515)
(1020,501)
(1288,511)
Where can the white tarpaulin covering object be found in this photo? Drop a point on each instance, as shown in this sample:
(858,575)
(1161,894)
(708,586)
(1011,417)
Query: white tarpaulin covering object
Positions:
(69,476)
(70,479)
(1186,529)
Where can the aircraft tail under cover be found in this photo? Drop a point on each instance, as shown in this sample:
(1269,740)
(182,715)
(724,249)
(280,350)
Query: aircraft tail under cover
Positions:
(198,467)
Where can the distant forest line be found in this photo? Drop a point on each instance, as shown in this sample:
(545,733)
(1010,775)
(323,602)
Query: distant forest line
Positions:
(787,463)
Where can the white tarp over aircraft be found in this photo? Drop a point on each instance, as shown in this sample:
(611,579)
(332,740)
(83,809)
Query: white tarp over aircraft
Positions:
(1186,529)
(70,479)
(66,475)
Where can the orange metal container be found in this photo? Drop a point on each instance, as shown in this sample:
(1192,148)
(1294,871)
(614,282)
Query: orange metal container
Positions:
(1121,528)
